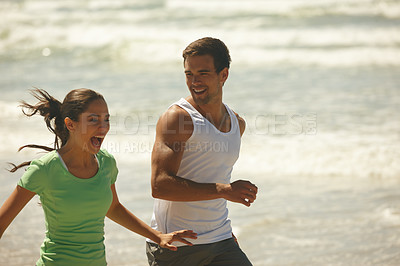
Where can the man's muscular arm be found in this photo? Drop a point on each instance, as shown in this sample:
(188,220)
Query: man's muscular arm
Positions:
(173,129)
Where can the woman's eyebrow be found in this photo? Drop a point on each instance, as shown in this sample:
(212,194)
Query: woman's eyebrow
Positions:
(106,114)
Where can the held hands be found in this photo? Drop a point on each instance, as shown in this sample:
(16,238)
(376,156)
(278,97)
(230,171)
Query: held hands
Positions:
(167,239)
(240,191)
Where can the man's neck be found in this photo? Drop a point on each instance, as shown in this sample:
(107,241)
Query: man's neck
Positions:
(216,112)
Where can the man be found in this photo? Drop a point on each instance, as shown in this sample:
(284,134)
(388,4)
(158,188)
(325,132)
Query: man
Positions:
(197,143)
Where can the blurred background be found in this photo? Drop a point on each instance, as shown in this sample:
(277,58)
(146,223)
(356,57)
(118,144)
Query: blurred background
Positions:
(317,82)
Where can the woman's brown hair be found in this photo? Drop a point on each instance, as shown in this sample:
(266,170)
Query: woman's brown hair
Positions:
(54,112)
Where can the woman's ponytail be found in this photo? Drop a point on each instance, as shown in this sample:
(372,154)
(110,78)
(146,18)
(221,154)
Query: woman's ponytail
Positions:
(54,113)
(50,109)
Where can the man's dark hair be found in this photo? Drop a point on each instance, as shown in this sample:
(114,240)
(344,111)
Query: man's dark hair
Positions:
(210,46)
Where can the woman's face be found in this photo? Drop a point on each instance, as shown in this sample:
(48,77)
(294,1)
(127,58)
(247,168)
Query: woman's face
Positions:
(92,127)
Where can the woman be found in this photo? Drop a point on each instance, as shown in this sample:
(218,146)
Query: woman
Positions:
(75,182)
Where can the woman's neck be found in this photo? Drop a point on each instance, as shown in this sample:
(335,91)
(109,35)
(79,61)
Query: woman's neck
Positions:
(75,156)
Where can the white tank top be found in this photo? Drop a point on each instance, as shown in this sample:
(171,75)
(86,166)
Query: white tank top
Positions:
(209,157)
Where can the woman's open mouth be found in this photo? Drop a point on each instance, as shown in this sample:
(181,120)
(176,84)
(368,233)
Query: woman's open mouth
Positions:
(97,140)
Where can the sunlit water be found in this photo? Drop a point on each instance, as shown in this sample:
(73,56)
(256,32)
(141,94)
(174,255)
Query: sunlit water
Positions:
(317,82)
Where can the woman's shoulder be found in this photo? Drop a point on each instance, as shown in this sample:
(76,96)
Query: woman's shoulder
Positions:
(46,159)
(105,157)
(105,153)
(43,164)
(38,173)
(108,164)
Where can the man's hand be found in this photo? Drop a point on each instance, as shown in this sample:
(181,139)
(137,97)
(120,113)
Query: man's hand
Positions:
(240,191)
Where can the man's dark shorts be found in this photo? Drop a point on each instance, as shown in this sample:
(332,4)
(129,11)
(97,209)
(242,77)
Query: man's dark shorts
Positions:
(226,252)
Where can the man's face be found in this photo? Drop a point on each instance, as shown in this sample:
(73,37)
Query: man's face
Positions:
(204,83)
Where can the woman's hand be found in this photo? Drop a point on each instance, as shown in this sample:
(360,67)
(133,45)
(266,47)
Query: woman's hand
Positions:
(167,239)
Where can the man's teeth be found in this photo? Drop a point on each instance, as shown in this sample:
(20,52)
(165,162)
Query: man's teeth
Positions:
(200,90)
(99,137)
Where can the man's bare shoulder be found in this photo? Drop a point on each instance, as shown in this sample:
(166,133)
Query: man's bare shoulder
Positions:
(242,123)
(175,120)
(177,112)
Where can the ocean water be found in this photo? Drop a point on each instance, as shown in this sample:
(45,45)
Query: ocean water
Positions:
(317,82)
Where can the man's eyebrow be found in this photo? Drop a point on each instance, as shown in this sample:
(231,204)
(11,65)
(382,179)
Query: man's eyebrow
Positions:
(200,71)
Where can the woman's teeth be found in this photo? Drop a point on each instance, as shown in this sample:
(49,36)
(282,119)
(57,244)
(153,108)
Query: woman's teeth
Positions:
(97,140)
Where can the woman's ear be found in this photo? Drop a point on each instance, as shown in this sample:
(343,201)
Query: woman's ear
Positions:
(69,124)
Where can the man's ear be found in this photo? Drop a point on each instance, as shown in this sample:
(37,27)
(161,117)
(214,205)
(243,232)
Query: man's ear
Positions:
(69,123)
(224,75)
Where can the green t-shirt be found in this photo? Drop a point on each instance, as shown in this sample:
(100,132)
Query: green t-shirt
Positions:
(74,209)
